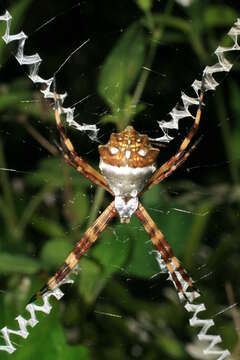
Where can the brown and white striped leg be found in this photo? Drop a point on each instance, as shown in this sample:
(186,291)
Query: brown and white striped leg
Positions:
(170,164)
(163,247)
(80,165)
(79,250)
(178,163)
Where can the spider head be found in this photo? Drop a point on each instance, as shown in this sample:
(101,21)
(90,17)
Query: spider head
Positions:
(127,162)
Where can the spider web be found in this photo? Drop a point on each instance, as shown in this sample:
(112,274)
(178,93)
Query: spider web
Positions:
(221,65)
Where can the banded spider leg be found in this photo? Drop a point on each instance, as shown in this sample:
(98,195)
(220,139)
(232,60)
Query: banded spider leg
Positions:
(79,250)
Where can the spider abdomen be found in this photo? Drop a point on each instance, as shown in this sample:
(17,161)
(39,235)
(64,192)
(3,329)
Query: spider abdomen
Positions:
(125,180)
(126,183)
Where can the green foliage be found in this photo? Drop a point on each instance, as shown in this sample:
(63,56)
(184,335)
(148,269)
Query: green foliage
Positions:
(10,263)
(145,5)
(235,95)
(217,16)
(54,251)
(96,272)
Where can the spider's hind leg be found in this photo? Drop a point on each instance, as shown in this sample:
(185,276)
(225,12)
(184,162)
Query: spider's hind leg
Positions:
(176,271)
(81,247)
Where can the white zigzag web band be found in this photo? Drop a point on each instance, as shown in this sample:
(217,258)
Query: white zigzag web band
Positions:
(33,62)
(191,307)
(208,83)
(32,321)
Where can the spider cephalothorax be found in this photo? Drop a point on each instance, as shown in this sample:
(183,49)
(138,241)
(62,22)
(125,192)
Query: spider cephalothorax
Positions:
(127,162)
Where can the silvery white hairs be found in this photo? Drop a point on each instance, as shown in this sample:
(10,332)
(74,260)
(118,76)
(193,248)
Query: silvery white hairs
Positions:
(210,340)
(33,62)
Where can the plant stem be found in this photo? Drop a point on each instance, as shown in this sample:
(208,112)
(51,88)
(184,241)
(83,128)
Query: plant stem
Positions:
(145,73)
(157,33)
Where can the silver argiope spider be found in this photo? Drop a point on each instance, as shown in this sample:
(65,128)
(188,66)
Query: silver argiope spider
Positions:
(128,168)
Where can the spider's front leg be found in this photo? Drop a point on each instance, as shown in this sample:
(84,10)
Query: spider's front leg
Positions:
(72,157)
(79,250)
(165,250)
(181,156)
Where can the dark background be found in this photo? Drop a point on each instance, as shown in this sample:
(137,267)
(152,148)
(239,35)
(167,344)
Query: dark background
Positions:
(45,206)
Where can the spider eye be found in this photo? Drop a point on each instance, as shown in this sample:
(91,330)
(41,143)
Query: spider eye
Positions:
(142,152)
(113,150)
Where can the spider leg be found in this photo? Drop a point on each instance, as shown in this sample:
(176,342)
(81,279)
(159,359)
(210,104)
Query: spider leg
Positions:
(179,162)
(79,250)
(79,164)
(66,156)
(176,160)
(163,247)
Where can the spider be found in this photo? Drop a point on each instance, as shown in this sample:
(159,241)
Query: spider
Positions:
(128,169)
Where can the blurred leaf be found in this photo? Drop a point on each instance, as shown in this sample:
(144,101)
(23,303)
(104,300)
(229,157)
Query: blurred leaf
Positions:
(152,197)
(91,280)
(170,221)
(141,260)
(17,12)
(175,226)
(145,5)
(81,207)
(220,15)
(199,223)
(172,22)
(234,99)
(12,100)
(228,332)
(50,171)
(30,208)
(10,263)
(48,227)
(172,347)
(55,251)
(111,252)
(119,71)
